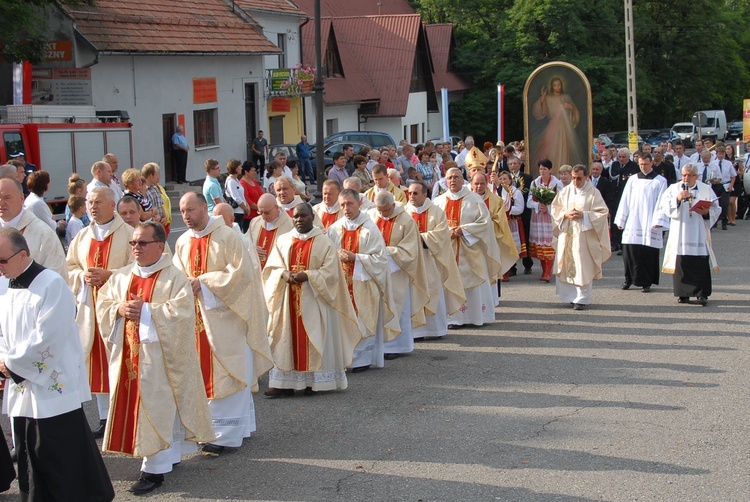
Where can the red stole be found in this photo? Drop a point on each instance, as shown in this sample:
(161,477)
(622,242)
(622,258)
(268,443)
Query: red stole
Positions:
(350,242)
(453,212)
(421,220)
(290,212)
(386,228)
(127,392)
(487,202)
(266,240)
(300,261)
(198,262)
(99,367)
(329,219)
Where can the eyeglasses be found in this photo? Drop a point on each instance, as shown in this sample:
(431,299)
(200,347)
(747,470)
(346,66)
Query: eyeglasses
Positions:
(138,243)
(6,260)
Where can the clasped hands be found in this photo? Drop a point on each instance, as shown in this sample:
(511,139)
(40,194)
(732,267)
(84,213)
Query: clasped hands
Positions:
(574,214)
(131,308)
(294,277)
(456,233)
(96,277)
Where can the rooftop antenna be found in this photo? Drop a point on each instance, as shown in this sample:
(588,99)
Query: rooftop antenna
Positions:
(380,4)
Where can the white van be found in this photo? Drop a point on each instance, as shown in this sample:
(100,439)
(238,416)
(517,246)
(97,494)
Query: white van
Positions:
(715,124)
(687,132)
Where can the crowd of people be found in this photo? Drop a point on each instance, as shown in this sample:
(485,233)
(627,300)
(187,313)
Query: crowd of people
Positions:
(406,244)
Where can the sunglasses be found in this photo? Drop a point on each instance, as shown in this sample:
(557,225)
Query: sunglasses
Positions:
(6,260)
(138,243)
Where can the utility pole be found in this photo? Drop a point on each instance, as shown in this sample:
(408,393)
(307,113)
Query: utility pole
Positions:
(319,136)
(630,65)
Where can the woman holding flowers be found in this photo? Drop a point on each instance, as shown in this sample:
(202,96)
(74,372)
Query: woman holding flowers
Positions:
(543,191)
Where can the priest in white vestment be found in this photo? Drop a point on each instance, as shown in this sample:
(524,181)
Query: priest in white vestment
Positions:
(329,211)
(96,251)
(42,361)
(271,224)
(230,330)
(474,247)
(445,288)
(312,324)
(408,277)
(642,235)
(364,259)
(43,242)
(147,315)
(689,255)
(287,199)
(582,246)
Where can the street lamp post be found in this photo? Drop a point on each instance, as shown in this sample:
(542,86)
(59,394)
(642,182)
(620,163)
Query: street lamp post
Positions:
(630,65)
(318,88)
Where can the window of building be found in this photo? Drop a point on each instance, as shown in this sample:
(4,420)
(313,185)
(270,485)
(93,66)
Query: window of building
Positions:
(333,68)
(414,137)
(206,131)
(332,126)
(281,43)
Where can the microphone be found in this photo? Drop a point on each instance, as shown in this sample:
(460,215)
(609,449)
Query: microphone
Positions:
(685,187)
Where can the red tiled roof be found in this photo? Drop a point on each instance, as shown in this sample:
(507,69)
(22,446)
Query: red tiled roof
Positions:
(440,37)
(276,6)
(346,8)
(168,27)
(377,56)
(356,86)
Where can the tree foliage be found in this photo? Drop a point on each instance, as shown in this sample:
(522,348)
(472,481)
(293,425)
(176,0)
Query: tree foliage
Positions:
(689,56)
(23,28)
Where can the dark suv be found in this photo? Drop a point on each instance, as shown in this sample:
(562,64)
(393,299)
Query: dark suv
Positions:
(374,139)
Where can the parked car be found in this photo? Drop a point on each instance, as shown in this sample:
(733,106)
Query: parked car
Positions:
(330,150)
(454,140)
(735,129)
(654,138)
(687,132)
(620,139)
(372,138)
(289,150)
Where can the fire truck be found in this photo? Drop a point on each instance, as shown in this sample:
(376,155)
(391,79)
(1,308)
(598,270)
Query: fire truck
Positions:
(63,140)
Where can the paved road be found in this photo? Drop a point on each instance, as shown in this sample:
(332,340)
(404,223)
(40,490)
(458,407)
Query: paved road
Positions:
(637,399)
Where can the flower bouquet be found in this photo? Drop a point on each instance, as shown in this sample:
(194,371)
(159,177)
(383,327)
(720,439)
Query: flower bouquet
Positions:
(543,194)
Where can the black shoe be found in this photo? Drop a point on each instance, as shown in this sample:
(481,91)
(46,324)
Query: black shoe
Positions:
(626,285)
(512,272)
(683,299)
(360,369)
(619,252)
(454,326)
(147,483)
(723,226)
(578,306)
(274,393)
(213,450)
(527,271)
(646,289)
(390,357)
(309,392)
(99,431)
(703,300)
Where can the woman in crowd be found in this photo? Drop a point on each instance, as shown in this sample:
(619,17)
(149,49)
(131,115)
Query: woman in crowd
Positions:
(252,189)
(77,186)
(38,183)
(211,186)
(385,158)
(276,171)
(233,189)
(133,184)
(540,232)
(300,188)
(361,172)
(565,174)
(738,189)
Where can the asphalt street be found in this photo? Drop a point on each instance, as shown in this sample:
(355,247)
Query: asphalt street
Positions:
(635,399)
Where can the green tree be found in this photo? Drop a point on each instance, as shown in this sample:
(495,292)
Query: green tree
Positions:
(23,28)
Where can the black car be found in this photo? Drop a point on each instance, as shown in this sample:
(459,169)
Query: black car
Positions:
(735,128)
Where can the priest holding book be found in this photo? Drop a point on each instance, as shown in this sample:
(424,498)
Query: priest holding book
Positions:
(689,208)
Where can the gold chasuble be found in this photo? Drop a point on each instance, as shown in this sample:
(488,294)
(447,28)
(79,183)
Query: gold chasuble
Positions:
(300,260)
(266,240)
(98,257)
(350,242)
(198,257)
(126,395)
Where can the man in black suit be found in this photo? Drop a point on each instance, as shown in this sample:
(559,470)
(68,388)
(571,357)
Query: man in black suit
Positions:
(605,187)
(619,172)
(664,167)
(522,182)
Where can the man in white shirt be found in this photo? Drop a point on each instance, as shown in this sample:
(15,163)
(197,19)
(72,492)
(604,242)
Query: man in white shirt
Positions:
(461,157)
(680,159)
(723,177)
